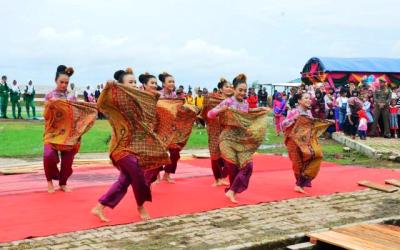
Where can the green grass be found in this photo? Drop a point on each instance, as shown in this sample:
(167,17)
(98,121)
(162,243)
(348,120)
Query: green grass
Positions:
(25,139)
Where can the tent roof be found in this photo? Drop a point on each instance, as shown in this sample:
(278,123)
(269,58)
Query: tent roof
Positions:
(365,65)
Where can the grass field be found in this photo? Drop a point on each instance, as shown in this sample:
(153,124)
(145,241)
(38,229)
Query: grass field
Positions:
(25,139)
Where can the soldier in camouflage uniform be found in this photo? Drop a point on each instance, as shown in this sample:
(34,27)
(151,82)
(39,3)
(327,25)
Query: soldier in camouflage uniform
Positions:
(382,97)
(3,97)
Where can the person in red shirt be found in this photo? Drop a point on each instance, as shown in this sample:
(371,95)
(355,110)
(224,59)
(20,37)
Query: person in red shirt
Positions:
(252,99)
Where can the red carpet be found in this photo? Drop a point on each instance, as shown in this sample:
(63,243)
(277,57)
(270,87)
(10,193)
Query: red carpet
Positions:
(31,212)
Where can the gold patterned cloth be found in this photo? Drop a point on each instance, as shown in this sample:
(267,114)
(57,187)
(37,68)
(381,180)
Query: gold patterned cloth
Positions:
(175,121)
(242,134)
(132,115)
(66,122)
(214,127)
(301,140)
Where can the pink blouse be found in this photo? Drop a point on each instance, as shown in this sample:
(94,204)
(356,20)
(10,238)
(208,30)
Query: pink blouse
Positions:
(64,95)
(230,102)
(164,94)
(292,116)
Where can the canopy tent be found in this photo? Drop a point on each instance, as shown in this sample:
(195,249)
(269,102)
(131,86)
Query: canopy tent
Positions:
(340,71)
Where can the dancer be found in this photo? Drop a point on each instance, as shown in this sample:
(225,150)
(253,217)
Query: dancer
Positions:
(243,132)
(65,122)
(184,117)
(134,146)
(125,77)
(214,129)
(301,140)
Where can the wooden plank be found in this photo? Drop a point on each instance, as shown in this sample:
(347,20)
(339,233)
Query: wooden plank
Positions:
(345,241)
(371,234)
(388,229)
(393,182)
(377,186)
(201,156)
(300,246)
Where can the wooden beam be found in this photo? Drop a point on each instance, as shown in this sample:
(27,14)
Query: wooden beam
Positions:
(377,186)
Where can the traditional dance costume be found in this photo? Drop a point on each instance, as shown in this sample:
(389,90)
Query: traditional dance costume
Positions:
(65,122)
(242,133)
(134,145)
(301,140)
(214,129)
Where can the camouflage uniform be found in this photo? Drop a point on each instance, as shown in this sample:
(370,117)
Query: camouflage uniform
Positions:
(382,98)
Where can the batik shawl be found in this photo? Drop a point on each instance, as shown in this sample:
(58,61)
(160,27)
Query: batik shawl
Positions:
(305,133)
(66,122)
(132,115)
(213,127)
(242,134)
(175,121)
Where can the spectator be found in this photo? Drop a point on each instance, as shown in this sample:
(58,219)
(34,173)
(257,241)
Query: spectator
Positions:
(97,93)
(318,105)
(367,109)
(398,112)
(263,97)
(189,98)
(393,110)
(252,99)
(15,96)
(180,92)
(205,91)
(29,97)
(199,99)
(88,95)
(342,104)
(279,106)
(352,121)
(363,124)
(291,103)
(73,91)
(4,90)
(382,97)
(215,91)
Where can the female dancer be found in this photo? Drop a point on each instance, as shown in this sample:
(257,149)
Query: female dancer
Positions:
(214,129)
(134,147)
(125,77)
(301,140)
(65,122)
(168,92)
(239,142)
(279,106)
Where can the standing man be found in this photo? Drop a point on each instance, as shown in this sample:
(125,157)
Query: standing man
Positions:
(382,97)
(15,96)
(263,97)
(29,96)
(4,89)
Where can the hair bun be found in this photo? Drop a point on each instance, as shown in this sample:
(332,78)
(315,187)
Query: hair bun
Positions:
(241,78)
(118,75)
(69,71)
(144,78)
(129,71)
(163,75)
(61,68)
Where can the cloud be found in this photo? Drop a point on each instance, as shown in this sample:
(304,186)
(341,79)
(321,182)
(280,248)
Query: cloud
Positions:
(52,35)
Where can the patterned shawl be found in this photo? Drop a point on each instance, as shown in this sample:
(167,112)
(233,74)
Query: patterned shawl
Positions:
(242,134)
(214,127)
(66,122)
(305,133)
(175,121)
(132,115)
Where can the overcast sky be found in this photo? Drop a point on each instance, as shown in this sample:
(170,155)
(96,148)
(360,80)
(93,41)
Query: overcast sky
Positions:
(197,41)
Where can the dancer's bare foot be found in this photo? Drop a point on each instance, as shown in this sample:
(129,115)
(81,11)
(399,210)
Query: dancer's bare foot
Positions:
(158,179)
(50,187)
(65,188)
(143,213)
(98,211)
(300,190)
(232,196)
(216,183)
(167,178)
(224,182)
